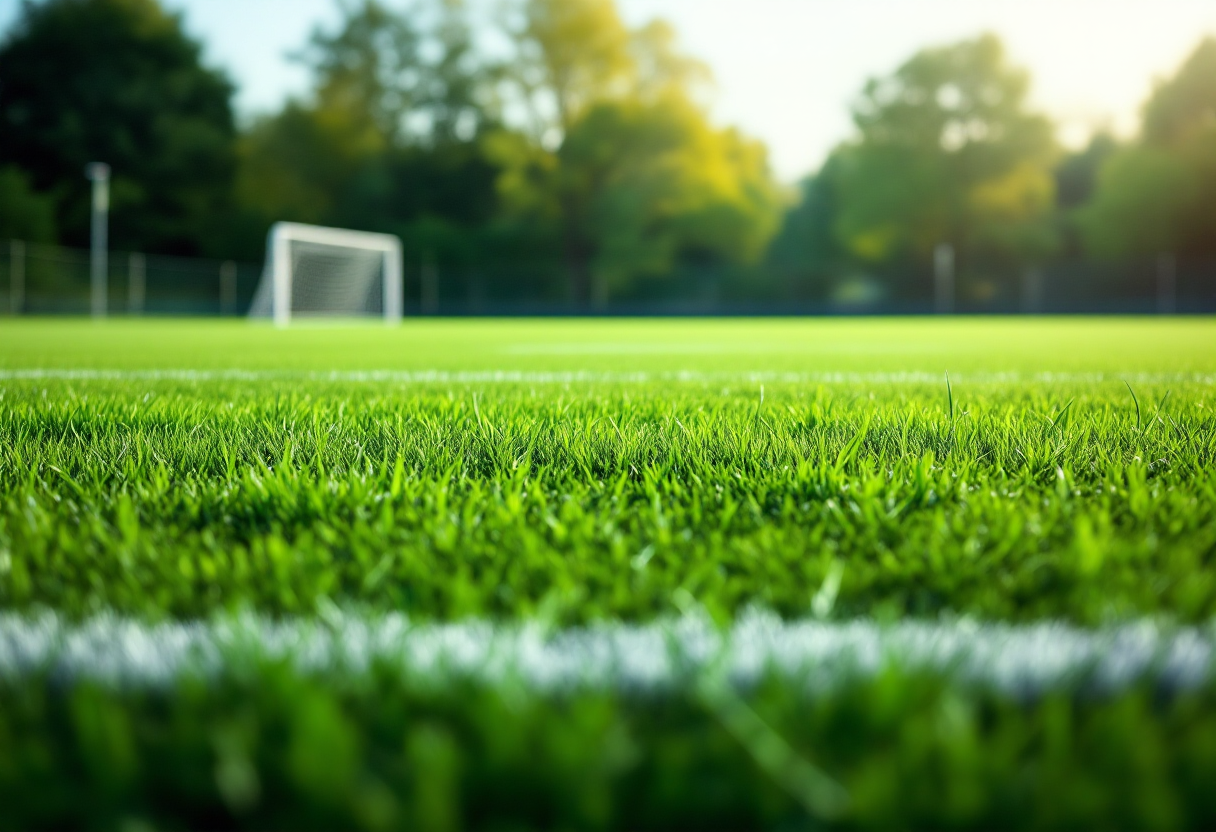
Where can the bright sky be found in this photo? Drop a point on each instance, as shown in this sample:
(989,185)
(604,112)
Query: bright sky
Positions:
(787,69)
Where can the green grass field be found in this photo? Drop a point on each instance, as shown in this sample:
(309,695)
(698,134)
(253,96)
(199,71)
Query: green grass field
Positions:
(608,574)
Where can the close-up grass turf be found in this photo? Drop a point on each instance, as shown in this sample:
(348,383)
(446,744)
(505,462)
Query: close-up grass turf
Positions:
(570,476)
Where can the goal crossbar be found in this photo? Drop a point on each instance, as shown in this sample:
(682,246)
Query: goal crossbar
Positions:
(283,234)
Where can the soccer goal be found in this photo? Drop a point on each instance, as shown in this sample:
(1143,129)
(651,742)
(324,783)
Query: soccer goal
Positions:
(312,271)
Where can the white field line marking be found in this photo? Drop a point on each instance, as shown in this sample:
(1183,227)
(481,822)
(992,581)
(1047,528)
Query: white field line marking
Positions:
(815,656)
(705,348)
(584,376)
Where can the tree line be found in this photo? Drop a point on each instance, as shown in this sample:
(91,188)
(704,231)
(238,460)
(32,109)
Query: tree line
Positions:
(576,158)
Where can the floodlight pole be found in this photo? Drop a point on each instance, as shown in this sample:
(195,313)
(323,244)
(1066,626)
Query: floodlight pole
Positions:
(99,174)
(943,278)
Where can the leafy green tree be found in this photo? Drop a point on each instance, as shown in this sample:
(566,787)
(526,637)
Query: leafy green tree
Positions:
(1183,108)
(390,139)
(647,183)
(299,164)
(570,54)
(807,252)
(315,160)
(1140,205)
(947,151)
(461,100)
(119,81)
(369,68)
(24,213)
(639,179)
(1076,183)
(1077,173)
(1159,195)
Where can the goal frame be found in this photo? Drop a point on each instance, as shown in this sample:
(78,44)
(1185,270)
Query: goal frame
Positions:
(283,234)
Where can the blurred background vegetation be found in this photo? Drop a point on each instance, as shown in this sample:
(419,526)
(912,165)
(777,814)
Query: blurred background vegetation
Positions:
(578,165)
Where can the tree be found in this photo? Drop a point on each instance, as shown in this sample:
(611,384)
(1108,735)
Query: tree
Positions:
(807,249)
(1077,173)
(1183,108)
(24,213)
(303,163)
(390,137)
(370,68)
(119,81)
(1076,178)
(646,183)
(1139,205)
(1159,195)
(639,179)
(569,55)
(947,151)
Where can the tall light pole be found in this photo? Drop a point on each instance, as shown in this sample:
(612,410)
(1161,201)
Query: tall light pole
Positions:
(943,278)
(99,174)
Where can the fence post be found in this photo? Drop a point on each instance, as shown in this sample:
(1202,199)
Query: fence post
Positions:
(227,287)
(430,285)
(1167,284)
(137,283)
(943,278)
(1032,290)
(16,276)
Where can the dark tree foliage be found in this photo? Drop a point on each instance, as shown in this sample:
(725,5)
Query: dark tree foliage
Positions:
(390,138)
(1158,194)
(946,150)
(1076,181)
(806,251)
(1077,173)
(1182,115)
(119,81)
(1185,105)
(24,213)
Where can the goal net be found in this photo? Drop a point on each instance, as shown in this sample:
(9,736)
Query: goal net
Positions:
(312,271)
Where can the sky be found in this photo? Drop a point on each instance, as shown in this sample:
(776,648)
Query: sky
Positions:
(787,70)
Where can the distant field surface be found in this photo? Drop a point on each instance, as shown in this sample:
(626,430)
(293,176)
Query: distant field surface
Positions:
(1091,345)
(962,545)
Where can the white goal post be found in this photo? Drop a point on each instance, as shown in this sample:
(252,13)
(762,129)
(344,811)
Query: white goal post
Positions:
(314,271)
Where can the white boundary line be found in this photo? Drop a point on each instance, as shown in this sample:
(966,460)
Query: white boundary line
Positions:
(1020,660)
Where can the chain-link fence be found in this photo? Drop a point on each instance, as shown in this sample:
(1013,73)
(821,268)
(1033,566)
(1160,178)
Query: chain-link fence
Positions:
(53,280)
(1067,286)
